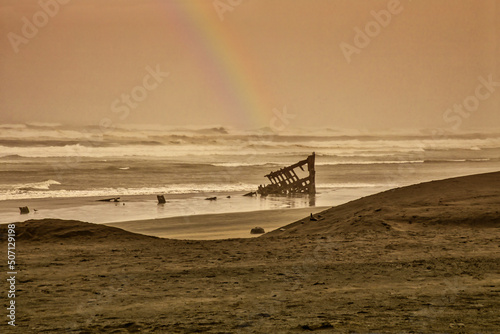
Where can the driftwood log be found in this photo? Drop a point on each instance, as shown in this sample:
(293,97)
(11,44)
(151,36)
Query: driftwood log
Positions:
(112,199)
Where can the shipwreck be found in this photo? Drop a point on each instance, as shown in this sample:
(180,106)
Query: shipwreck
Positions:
(289,180)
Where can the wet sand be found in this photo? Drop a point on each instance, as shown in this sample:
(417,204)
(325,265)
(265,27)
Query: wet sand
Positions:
(216,226)
(146,207)
(422,259)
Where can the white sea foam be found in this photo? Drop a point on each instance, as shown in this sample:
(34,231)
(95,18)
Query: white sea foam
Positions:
(346,162)
(25,192)
(232,148)
(143,158)
(44,185)
(353,162)
(245,164)
(41,190)
(342,185)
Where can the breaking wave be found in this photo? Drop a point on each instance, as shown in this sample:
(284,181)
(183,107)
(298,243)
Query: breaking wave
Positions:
(41,190)
(44,185)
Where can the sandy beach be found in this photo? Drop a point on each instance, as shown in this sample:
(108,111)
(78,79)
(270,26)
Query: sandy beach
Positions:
(230,166)
(418,259)
(216,226)
(146,207)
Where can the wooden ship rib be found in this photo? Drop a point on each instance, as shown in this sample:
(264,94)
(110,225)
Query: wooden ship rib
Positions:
(286,181)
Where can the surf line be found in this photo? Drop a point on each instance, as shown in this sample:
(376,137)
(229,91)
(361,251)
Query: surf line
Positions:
(139,93)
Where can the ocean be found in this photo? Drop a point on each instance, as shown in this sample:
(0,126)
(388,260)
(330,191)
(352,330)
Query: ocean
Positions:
(52,163)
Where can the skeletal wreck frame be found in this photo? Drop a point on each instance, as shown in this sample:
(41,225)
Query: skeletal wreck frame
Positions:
(286,181)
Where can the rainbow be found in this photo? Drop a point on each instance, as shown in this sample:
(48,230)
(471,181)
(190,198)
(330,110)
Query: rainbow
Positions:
(223,61)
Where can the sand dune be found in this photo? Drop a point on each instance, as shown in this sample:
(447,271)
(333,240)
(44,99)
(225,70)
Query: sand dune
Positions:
(467,201)
(52,230)
(424,259)
(215,226)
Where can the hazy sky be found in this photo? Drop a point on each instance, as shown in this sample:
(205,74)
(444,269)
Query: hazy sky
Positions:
(232,62)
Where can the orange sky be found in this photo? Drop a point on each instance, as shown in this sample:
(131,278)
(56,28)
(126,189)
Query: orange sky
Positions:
(284,53)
